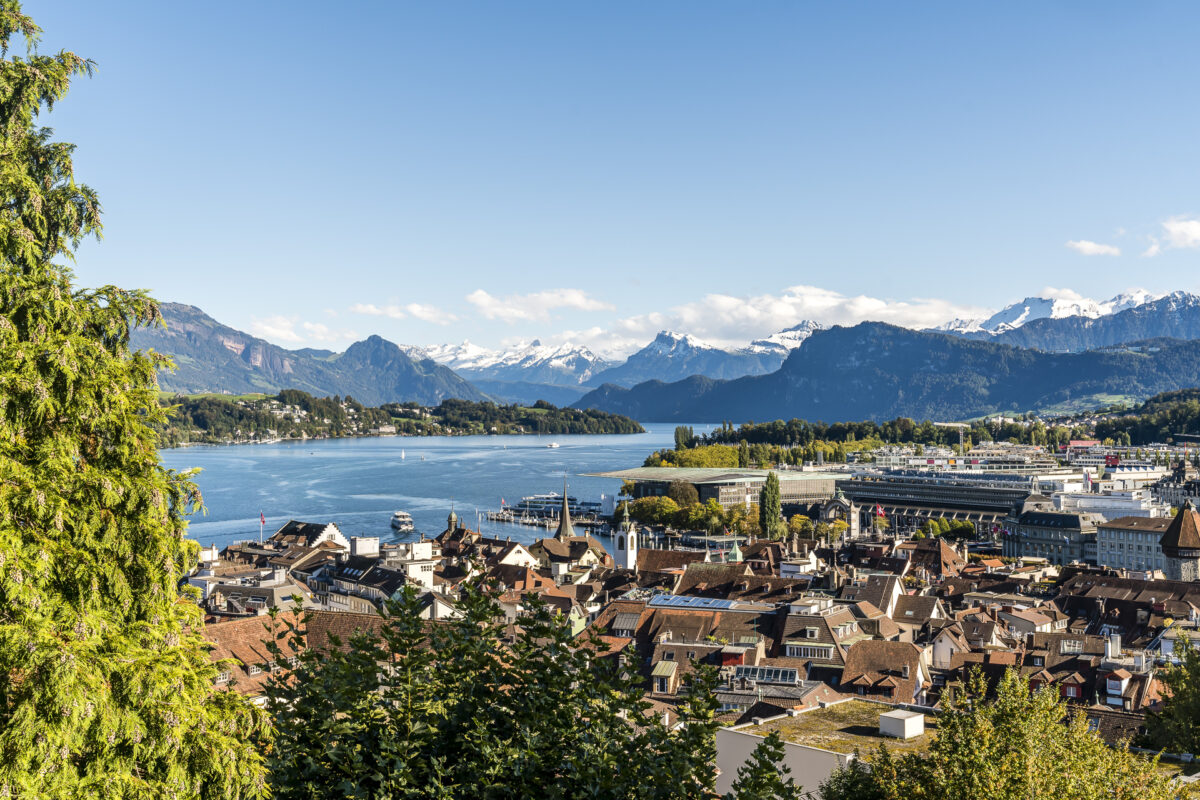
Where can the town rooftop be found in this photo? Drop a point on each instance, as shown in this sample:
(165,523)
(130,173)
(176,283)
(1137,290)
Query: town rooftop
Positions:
(844,727)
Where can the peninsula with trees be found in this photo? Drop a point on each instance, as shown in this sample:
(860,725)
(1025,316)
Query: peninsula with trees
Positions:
(293,414)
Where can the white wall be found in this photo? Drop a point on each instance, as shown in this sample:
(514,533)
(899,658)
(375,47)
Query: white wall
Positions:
(809,766)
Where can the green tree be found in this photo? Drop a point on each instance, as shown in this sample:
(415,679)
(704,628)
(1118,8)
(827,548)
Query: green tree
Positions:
(801,525)
(463,712)
(683,493)
(106,689)
(654,510)
(765,776)
(1176,728)
(770,515)
(743,454)
(1013,747)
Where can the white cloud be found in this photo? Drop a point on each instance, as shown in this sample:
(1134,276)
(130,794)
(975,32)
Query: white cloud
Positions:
(429,313)
(282,330)
(1182,232)
(1093,248)
(1154,249)
(536,306)
(373,310)
(729,321)
(425,313)
(318,332)
(277,328)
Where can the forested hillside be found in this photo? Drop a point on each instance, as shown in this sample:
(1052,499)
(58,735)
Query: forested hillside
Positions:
(292,414)
(875,371)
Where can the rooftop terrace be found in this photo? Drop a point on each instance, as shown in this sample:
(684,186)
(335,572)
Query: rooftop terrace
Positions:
(843,728)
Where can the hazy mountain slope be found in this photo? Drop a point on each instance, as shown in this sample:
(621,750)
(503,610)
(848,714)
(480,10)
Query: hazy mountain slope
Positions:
(878,371)
(1176,316)
(211,357)
(673,356)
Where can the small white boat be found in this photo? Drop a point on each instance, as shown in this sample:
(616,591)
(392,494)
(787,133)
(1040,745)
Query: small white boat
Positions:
(402,521)
(401,455)
(552,444)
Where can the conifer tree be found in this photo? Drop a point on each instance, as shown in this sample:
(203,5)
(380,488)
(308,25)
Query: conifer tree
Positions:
(106,690)
(770,514)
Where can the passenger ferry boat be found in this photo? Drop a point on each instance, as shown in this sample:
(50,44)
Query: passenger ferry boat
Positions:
(402,521)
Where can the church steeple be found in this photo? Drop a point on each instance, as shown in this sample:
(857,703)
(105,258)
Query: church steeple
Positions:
(565,529)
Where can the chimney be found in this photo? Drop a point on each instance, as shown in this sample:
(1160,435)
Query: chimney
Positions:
(1112,646)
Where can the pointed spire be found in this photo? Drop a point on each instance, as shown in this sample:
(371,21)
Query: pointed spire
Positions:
(565,529)
(735,554)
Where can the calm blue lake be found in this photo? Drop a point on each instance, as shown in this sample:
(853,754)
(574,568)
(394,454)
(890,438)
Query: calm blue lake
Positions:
(358,483)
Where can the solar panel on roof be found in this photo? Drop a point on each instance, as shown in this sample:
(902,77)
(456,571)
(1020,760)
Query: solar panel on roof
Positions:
(768,674)
(674,601)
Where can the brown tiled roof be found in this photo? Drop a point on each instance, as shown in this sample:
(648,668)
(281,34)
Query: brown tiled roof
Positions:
(245,640)
(1184,531)
(649,560)
(914,609)
(872,663)
(342,624)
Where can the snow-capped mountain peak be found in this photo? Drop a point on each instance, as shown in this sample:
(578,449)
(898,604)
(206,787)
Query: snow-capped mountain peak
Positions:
(786,340)
(1060,305)
(670,342)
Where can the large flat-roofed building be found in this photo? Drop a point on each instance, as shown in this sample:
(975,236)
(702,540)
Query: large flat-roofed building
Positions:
(1131,543)
(985,500)
(732,487)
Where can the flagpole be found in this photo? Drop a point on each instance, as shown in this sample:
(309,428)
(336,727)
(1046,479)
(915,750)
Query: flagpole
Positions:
(260,527)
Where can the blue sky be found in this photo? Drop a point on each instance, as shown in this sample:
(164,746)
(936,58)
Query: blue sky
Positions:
(316,172)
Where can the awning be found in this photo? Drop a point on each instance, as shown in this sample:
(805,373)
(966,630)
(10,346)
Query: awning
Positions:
(663,669)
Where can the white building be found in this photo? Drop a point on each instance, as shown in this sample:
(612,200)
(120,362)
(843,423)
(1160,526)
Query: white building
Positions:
(1112,505)
(1131,543)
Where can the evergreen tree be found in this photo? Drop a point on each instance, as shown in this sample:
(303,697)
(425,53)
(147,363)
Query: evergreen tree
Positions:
(765,776)
(462,711)
(770,514)
(106,690)
(743,454)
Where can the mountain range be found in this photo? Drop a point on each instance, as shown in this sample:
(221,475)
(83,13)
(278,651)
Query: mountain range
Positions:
(878,371)
(211,357)
(678,376)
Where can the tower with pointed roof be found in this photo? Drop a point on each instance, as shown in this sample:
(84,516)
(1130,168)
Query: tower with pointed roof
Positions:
(626,538)
(565,529)
(1181,545)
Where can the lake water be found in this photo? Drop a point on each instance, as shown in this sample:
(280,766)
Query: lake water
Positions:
(358,483)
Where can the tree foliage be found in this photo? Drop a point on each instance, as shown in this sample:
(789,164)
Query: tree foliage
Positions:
(458,709)
(1176,728)
(106,689)
(1017,746)
(770,508)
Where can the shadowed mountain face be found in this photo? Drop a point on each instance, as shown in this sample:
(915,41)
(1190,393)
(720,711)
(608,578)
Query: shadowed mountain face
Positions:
(1176,316)
(211,357)
(673,357)
(878,371)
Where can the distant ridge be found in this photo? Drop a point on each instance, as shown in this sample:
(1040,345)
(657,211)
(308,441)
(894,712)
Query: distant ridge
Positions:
(878,371)
(211,357)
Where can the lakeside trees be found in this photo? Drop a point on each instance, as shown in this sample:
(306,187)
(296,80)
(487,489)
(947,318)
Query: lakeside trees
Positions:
(106,689)
(296,414)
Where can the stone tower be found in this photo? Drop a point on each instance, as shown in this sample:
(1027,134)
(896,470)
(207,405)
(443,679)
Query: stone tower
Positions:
(1181,545)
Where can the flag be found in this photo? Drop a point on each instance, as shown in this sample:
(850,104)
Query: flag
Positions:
(879,511)
(501,502)
(262,520)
